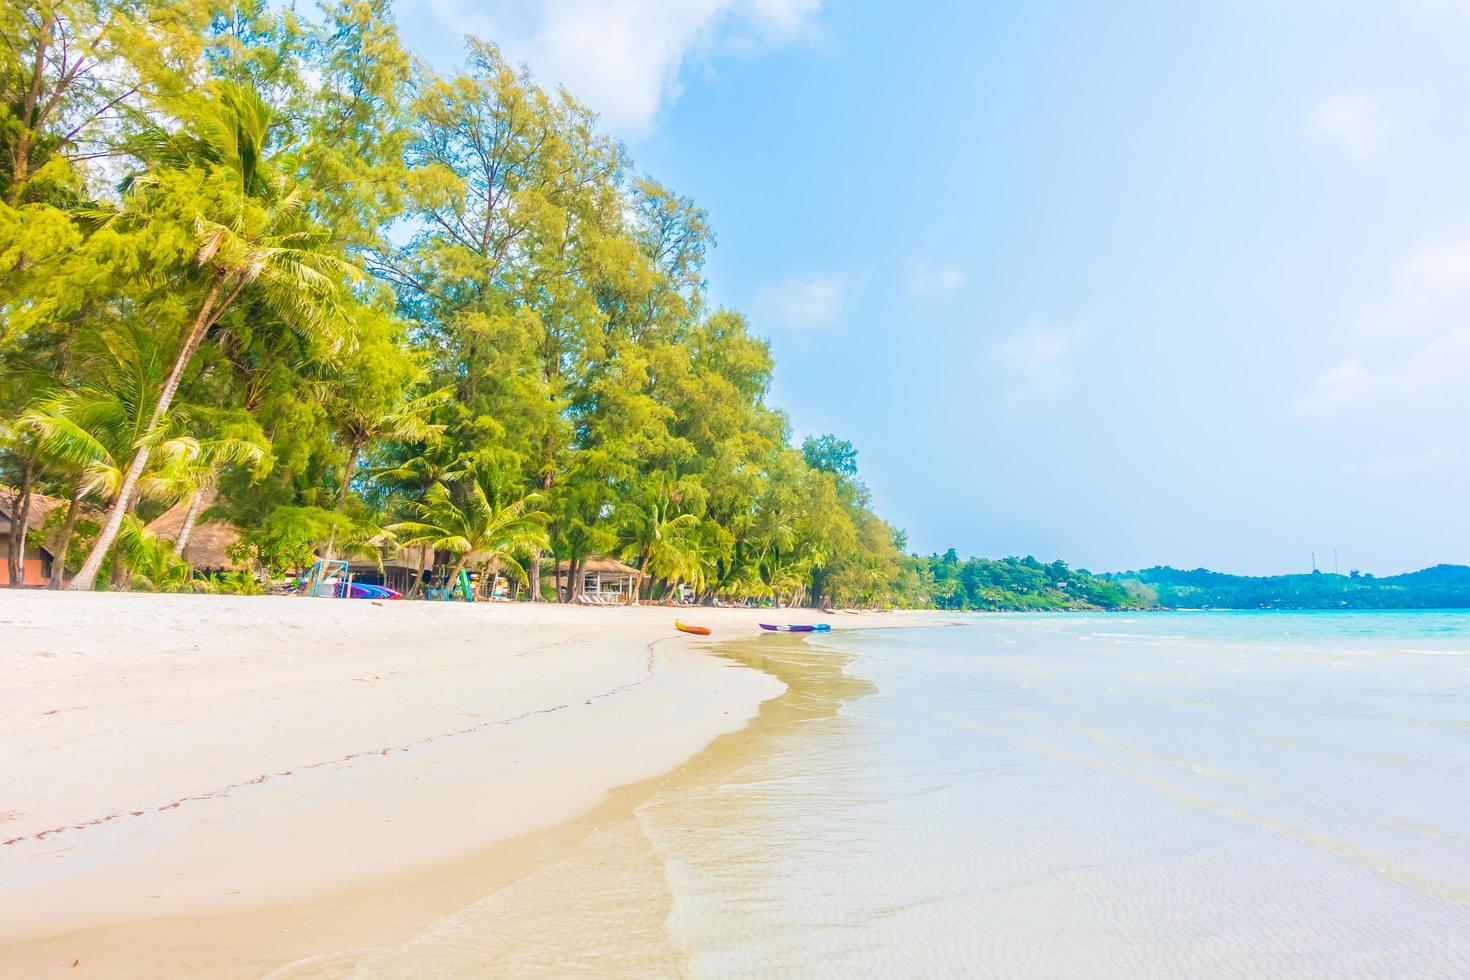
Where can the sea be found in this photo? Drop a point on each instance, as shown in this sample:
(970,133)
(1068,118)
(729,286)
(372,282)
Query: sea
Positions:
(1192,794)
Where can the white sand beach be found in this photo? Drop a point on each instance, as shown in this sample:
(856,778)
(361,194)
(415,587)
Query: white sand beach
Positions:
(213,757)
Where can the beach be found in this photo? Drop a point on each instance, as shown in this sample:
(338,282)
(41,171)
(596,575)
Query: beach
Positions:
(303,789)
(178,766)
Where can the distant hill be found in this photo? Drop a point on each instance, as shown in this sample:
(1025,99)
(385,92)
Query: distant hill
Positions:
(1440,587)
(1020,584)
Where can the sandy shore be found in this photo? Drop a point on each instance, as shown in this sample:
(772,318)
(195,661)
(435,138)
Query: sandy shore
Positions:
(220,785)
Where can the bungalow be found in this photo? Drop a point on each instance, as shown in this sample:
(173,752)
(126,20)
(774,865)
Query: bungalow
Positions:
(398,568)
(605,577)
(209,542)
(36,560)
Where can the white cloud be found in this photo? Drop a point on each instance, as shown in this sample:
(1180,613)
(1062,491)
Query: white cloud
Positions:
(1436,6)
(1410,348)
(1391,379)
(1431,293)
(1355,122)
(1038,357)
(1395,467)
(624,57)
(804,302)
(1340,387)
(934,282)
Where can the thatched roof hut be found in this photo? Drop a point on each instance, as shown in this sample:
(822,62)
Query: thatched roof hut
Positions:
(209,542)
(601,576)
(41,508)
(37,562)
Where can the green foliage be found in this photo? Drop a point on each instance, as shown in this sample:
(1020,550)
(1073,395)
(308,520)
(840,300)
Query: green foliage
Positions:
(289,538)
(1440,587)
(830,455)
(148,561)
(479,522)
(232,583)
(531,374)
(1019,584)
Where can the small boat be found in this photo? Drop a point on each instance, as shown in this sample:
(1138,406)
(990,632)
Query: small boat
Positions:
(686,628)
(797,628)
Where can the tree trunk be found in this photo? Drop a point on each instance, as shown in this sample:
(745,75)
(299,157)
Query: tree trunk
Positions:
(574,578)
(418,583)
(30,118)
(347,477)
(533,586)
(63,541)
(86,579)
(638,585)
(453,582)
(188,528)
(20,519)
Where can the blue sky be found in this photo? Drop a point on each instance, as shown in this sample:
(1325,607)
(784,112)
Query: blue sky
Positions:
(1125,284)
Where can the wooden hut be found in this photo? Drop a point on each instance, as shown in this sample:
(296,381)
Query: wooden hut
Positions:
(397,569)
(37,559)
(207,549)
(607,578)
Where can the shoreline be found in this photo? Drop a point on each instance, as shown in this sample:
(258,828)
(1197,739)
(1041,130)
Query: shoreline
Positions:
(249,765)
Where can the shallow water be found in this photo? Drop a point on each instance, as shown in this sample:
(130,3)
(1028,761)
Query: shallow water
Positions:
(1192,794)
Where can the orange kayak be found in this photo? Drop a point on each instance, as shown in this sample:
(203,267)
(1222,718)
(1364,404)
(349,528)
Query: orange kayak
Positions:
(686,628)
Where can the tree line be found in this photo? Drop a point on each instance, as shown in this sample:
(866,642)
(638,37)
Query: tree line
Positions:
(274,261)
(1439,587)
(1019,584)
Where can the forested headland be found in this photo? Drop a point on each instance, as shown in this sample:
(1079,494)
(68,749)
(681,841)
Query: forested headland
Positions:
(1028,584)
(1439,587)
(268,266)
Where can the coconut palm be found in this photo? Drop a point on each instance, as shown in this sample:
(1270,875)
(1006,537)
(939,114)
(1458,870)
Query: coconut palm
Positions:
(267,244)
(189,468)
(153,563)
(83,428)
(693,559)
(404,417)
(477,527)
(654,535)
(431,461)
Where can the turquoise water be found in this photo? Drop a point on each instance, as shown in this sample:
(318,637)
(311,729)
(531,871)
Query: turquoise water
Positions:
(1162,795)
(1183,795)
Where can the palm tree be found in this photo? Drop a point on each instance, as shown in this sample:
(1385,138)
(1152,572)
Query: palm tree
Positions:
(435,460)
(268,244)
(431,460)
(479,529)
(153,562)
(693,558)
(404,417)
(654,537)
(191,468)
(82,429)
